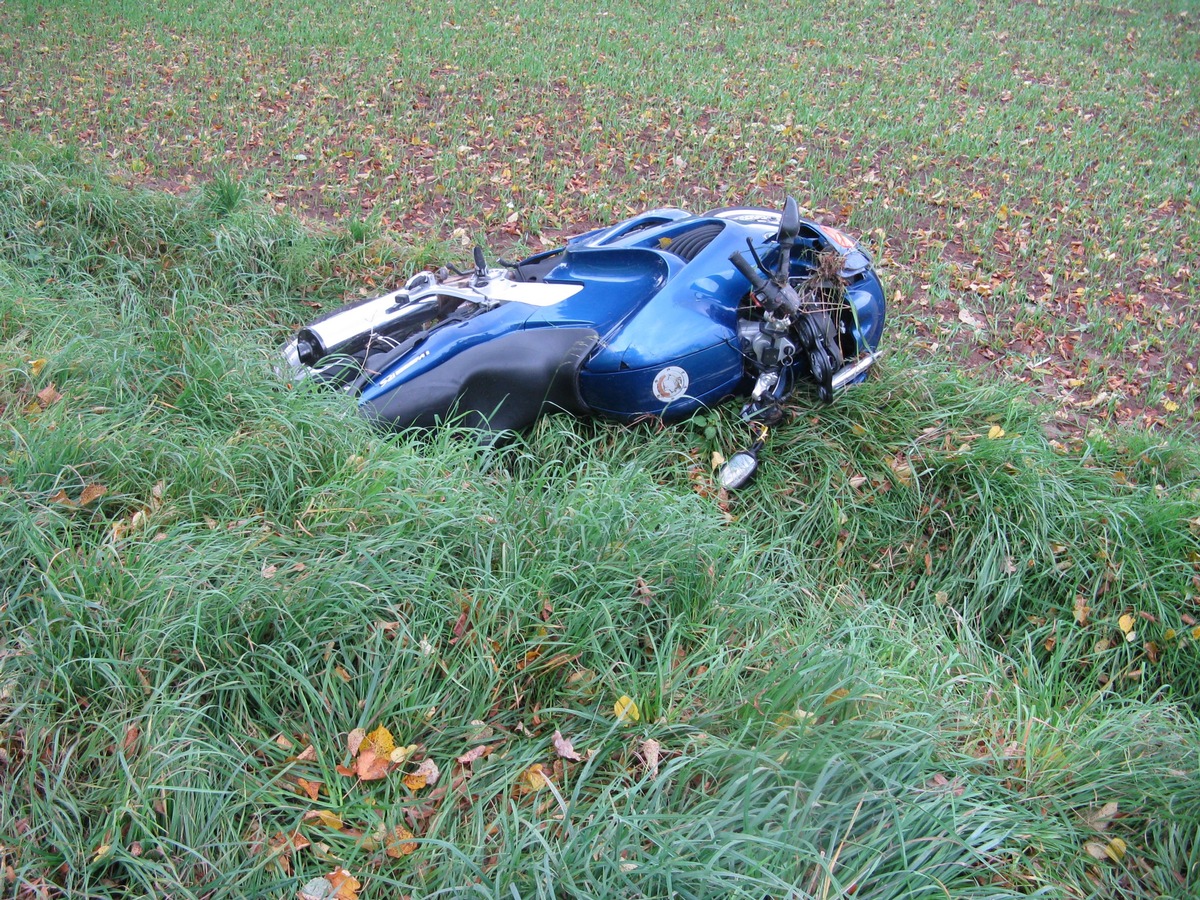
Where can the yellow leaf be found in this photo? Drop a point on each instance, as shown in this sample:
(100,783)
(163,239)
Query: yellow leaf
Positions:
(401,754)
(1196,633)
(1125,623)
(995,432)
(326,817)
(427,773)
(626,710)
(36,366)
(1116,849)
(1168,405)
(345,885)
(102,851)
(381,741)
(533,779)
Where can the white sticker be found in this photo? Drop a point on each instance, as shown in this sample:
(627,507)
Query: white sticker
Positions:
(670,383)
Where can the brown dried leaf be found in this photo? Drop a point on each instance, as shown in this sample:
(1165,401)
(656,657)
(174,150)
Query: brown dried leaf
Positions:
(563,747)
(473,754)
(92,493)
(370,766)
(399,842)
(651,750)
(354,740)
(311,789)
(48,396)
(308,754)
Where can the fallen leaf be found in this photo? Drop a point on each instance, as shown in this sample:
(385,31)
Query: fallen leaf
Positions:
(316,889)
(326,817)
(345,886)
(311,789)
(1099,819)
(399,842)
(48,396)
(308,754)
(995,432)
(381,741)
(370,766)
(563,747)
(651,749)
(626,710)
(533,779)
(427,774)
(130,743)
(92,493)
(473,754)
(1081,609)
(965,316)
(36,366)
(1125,623)
(1116,849)
(354,740)
(402,754)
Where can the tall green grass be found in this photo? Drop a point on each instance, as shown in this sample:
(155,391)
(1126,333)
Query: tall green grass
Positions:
(838,713)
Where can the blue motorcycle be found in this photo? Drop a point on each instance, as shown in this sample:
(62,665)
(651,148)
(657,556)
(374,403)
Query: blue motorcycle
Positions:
(656,316)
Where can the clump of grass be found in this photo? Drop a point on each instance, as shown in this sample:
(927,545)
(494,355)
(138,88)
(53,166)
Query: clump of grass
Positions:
(263,573)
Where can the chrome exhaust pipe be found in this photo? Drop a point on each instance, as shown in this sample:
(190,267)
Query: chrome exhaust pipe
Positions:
(852,372)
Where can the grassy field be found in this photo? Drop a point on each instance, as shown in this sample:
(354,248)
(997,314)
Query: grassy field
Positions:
(949,644)
(1026,173)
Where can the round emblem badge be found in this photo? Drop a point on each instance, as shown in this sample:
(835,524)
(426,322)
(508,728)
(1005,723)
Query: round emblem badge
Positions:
(670,384)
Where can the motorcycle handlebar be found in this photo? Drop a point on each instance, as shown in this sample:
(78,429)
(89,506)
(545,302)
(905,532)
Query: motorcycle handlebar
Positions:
(773,298)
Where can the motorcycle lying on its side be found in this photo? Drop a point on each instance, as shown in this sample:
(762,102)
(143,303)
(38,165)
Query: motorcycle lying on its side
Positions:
(659,315)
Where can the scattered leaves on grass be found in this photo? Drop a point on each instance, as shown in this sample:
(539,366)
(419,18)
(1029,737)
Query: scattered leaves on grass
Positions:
(374,754)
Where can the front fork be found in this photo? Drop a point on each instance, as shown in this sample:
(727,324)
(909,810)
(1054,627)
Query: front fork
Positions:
(764,410)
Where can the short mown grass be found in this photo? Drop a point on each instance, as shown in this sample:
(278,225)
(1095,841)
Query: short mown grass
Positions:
(895,667)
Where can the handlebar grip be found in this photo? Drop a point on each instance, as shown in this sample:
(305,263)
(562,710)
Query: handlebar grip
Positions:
(752,274)
(773,298)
